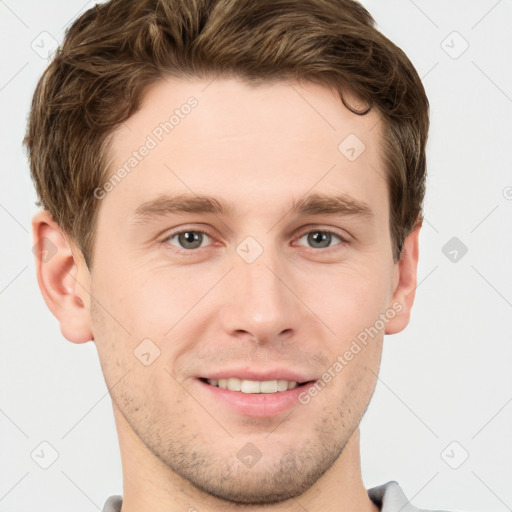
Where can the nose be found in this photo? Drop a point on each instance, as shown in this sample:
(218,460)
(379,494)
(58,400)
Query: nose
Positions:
(261,304)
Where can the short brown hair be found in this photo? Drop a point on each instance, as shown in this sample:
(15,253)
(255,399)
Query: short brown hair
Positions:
(112,52)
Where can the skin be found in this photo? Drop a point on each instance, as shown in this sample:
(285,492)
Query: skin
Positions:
(297,306)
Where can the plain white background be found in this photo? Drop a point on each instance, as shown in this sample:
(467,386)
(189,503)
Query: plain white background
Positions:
(441,417)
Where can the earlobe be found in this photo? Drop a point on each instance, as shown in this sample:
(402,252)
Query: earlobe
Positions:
(60,272)
(405,289)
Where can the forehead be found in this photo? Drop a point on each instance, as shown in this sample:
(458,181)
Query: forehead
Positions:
(256,146)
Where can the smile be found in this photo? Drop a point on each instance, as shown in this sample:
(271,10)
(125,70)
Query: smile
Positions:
(254,386)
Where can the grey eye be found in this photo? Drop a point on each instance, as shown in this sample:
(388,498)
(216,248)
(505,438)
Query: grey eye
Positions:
(189,239)
(319,239)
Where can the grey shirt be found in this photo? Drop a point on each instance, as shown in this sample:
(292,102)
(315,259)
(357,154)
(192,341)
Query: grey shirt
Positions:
(388,497)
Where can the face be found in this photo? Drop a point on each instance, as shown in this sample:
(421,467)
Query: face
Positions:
(254,275)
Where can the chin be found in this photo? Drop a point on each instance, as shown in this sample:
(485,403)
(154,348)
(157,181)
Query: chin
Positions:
(274,478)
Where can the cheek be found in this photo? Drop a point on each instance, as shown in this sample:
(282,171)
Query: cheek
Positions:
(132,364)
(156,313)
(350,300)
(146,303)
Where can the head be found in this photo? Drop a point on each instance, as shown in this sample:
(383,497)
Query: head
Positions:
(189,157)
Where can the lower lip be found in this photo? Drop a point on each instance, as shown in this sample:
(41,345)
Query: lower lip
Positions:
(258,405)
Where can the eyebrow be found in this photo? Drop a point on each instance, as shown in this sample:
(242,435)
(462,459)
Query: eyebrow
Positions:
(313,204)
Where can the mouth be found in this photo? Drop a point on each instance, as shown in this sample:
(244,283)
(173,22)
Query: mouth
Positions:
(254,386)
(255,392)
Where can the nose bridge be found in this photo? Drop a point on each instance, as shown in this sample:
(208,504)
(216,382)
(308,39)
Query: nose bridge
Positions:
(262,303)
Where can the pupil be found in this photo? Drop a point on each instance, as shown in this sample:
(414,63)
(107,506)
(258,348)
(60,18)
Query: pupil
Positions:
(319,237)
(190,237)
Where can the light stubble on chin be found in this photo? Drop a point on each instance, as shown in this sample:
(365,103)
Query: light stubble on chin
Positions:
(199,451)
(276,477)
(223,476)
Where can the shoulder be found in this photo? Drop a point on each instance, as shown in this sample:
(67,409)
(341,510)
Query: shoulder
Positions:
(389,497)
(113,504)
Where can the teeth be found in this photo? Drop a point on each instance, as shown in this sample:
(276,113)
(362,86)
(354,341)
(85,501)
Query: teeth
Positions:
(250,386)
(268,386)
(282,385)
(234,384)
(253,386)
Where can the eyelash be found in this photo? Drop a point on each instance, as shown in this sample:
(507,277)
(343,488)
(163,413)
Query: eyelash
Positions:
(191,252)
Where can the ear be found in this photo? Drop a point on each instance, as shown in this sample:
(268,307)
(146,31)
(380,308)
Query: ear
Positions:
(63,277)
(405,282)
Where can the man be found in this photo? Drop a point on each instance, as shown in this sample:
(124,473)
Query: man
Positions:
(189,156)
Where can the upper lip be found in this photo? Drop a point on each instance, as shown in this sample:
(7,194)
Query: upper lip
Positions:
(263,375)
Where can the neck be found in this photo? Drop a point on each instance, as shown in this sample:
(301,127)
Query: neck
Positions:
(149,485)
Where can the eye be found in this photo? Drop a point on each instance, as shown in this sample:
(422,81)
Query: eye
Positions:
(187,239)
(190,239)
(322,238)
